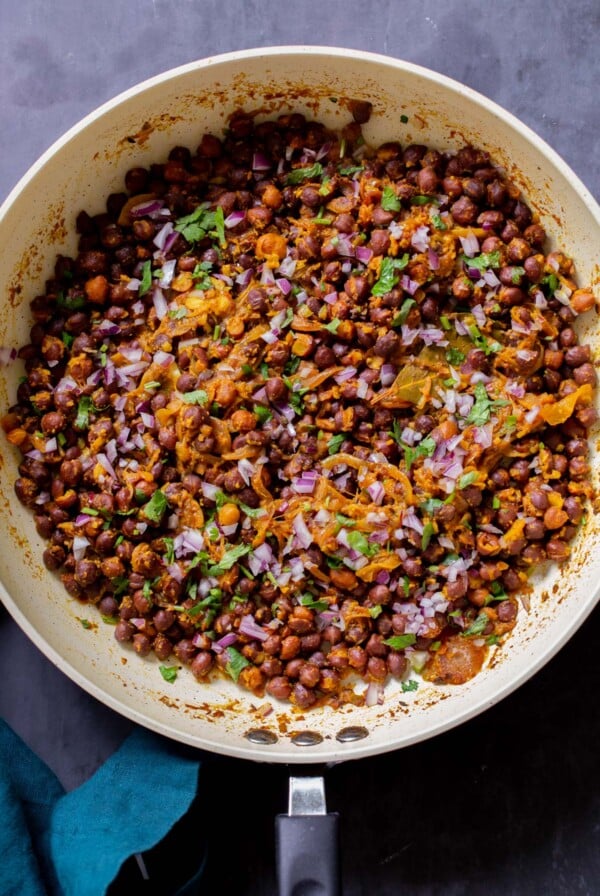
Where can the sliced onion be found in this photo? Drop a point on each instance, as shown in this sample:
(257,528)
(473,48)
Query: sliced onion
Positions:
(104,462)
(408,285)
(284,285)
(223,643)
(210,491)
(161,237)
(305,483)
(433,259)
(374,694)
(244,278)
(411,521)
(287,267)
(395,230)
(479,315)
(490,278)
(269,337)
(167,273)
(163,359)
(246,469)
(146,208)
(364,254)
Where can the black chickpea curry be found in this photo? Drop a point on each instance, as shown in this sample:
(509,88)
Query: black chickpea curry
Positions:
(301,408)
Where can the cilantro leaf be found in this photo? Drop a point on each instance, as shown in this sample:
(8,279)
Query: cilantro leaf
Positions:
(422,200)
(262,413)
(313,603)
(484,261)
(389,200)
(229,559)
(387,278)
(454,357)
(86,623)
(477,627)
(169,673)
(399,642)
(480,341)
(438,222)
(428,532)
(82,420)
(220,226)
(201,276)
(481,410)
(410,685)
(236,663)
(198,396)
(358,542)
(335,443)
(156,506)
(403,313)
(300,174)
(146,281)
(467,479)
(196,226)
(350,170)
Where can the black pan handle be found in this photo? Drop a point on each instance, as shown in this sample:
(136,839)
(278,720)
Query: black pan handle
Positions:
(307,843)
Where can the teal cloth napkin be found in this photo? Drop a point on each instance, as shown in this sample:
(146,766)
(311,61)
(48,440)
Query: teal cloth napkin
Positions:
(54,843)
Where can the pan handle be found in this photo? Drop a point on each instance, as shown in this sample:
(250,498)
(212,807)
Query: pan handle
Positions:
(307,842)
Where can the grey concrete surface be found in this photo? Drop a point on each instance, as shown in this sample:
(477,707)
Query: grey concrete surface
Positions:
(510,802)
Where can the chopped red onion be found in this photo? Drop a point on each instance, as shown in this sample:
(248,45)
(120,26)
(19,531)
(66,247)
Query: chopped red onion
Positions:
(51,445)
(246,469)
(364,254)
(408,334)
(483,435)
(362,388)
(490,278)
(479,315)
(346,374)
(331,298)
(260,559)
(376,492)
(540,299)
(412,521)
(146,208)
(34,454)
(163,359)
(210,491)
(287,267)
(460,327)
(108,328)
(305,484)
(480,377)
(284,285)
(531,415)
(244,278)
(395,230)
(517,390)
(408,285)
(266,277)
(470,244)
(420,239)
(167,273)
(133,284)
(344,247)
(228,531)
(104,462)
(269,337)
(80,543)
(260,162)
(161,237)
(323,152)
(234,219)
(250,628)
(322,517)
(223,643)
(147,419)
(302,532)
(387,374)
(433,336)
(527,355)
(433,258)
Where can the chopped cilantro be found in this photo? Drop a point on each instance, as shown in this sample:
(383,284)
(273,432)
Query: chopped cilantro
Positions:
(350,170)
(178,313)
(481,410)
(236,662)
(431,505)
(146,281)
(484,261)
(198,396)
(454,357)
(425,448)
(169,673)
(262,413)
(247,369)
(467,479)
(491,640)
(155,507)
(389,200)
(71,303)
(82,420)
(422,200)
(477,627)
(403,313)
(344,520)
(517,273)
(300,174)
(428,532)
(229,559)
(410,685)
(313,603)
(67,339)
(399,642)
(376,611)
(387,277)
(86,623)
(438,222)
(200,223)
(404,119)
(220,226)
(552,282)
(109,620)
(335,443)
(358,542)
(481,341)
(201,276)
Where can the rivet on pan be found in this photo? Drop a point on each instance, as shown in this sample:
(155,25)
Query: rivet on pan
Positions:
(354,732)
(261,736)
(307,739)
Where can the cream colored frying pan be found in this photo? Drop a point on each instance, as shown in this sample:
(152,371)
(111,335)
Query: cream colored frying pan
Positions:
(37,221)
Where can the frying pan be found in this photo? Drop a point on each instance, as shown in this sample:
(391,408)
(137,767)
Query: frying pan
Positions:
(410,104)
